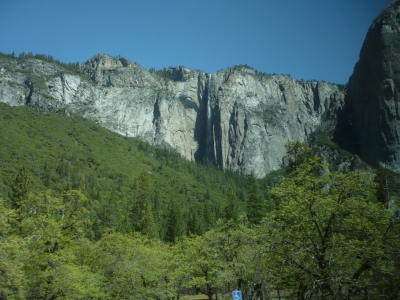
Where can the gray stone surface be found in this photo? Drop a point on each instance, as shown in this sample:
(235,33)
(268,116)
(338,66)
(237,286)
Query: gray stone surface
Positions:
(237,118)
(369,124)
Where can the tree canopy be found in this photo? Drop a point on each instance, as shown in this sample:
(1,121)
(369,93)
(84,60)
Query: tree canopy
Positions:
(140,223)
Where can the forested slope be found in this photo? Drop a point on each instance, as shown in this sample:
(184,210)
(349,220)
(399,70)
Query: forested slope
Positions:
(70,152)
(88,214)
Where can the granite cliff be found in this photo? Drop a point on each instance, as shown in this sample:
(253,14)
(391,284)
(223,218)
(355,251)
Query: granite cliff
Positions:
(369,123)
(237,118)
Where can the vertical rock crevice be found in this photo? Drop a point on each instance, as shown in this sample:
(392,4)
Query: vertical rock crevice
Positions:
(200,135)
(28,99)
(217,136)
(157,115)
(317,100)
(209,155)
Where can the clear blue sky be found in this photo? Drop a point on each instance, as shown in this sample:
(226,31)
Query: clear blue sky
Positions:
(309,39)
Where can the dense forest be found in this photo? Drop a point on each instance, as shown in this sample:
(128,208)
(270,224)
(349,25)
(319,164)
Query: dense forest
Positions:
(88,214)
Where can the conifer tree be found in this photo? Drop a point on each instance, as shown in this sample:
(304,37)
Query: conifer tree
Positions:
(20,187)
(174,226)
(384,184)
(144,221)
(255,205)
(231,211)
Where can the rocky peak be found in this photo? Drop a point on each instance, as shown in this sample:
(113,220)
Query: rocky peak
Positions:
(116,71)
(370,121)
(181,73)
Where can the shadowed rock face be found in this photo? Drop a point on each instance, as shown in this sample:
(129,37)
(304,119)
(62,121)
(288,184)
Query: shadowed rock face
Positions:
(237,118)
(254,116)
(370,121)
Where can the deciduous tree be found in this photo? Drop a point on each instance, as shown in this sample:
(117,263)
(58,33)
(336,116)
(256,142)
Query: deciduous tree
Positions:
(325,238)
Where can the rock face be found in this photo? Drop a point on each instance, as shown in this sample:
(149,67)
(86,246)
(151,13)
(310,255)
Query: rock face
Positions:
(237,118)
(253,117)
(369,123)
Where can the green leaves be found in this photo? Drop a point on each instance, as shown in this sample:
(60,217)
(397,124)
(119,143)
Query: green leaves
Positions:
(327,235)
(132,267)
(12,251)
(174,225)
(256,206)
(326,228)
(20,187)
(231,210)
(63,152)
(297,154)
(143,209)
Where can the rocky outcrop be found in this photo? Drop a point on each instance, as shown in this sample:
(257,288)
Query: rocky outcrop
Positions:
(369,124)
(254,116)
(237,118)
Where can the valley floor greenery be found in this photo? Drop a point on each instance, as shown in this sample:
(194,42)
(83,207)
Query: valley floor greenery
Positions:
(88,214)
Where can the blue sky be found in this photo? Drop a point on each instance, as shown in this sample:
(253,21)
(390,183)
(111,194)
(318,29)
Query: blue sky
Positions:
(308,39)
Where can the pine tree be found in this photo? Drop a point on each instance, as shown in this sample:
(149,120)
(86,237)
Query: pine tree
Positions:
(20,187)
(175,225)
(387,184)
(231,211)
(144,221)
(255,205)
(382,190)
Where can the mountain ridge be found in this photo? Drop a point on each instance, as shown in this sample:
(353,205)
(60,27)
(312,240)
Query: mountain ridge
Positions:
(236,118)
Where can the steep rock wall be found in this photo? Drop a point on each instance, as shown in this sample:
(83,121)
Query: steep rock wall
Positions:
(237,118)
(254,116)
(369,124)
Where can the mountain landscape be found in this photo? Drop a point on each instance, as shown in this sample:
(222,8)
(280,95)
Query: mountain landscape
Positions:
(238,119)
(118,182)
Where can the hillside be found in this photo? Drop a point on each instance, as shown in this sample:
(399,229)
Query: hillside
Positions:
(65,152)
(90,214)
(238,119)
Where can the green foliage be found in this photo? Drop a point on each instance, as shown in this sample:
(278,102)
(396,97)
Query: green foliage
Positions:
(20,188)
(388,183)
(12,278)
(39,82)
(133,267)
(297,153)
(326,236)
(323,139)
(68,230)
(63,153)
(70,67)
(174,223)
(43,242)
(200,263)
(231,210)
(144,218)
(234,247)
(162,73)
(256,206)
